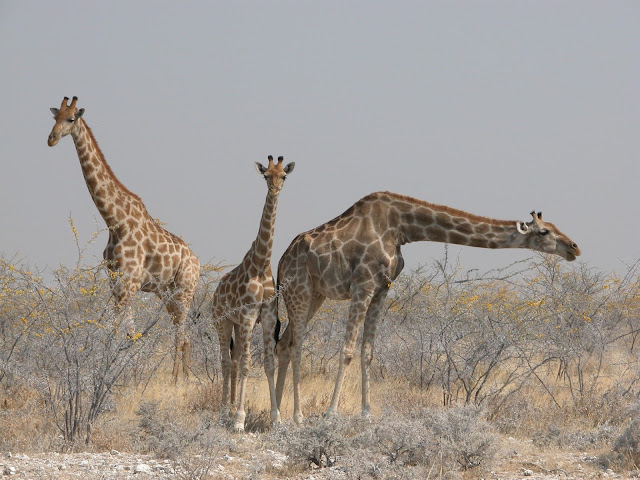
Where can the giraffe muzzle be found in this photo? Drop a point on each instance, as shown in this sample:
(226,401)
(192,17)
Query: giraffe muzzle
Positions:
(573,253)
(53,139)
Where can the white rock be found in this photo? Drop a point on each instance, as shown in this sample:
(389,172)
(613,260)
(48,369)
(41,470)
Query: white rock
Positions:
(277,458)
(527,473)
(142,468)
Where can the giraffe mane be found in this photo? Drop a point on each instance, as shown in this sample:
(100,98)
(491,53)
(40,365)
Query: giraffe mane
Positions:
(443,208)
(107,166)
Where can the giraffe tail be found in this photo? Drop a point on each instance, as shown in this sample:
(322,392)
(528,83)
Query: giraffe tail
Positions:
(276,331)
(274,312)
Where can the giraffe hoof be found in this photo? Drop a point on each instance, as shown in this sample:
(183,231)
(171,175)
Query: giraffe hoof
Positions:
(238,428)
(275,417)
(238,422)
(330,414)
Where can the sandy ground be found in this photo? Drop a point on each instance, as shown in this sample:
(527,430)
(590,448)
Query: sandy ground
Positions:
(520,460)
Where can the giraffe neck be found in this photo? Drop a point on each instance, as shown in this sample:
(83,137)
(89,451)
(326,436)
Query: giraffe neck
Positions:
(422,221)
(259,256)
(112,199)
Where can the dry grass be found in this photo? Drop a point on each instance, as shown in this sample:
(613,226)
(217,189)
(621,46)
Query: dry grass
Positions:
(21,414)
(23,410)
(184,427)
(564,375)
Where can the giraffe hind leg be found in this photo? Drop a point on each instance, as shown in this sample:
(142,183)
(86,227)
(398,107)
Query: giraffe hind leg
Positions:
(301,310)
(269,318)
(283,351)
(243,344)
(224,329)
(235,360)
(182,294)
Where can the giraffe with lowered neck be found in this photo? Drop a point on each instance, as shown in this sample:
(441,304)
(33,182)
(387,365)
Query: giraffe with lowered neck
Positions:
(140,254)
(357,255)
(239,301)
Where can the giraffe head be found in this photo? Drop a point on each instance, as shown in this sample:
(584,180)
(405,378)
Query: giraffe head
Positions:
(65,117)
(275,174)
(545,237)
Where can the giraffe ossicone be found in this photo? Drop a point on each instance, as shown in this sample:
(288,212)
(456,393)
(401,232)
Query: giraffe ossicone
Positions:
(241,300)
(356,256)
(140,254)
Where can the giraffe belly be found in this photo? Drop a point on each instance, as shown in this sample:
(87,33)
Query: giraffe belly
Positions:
(157,283)
(333,284)
(338,283)
(334,292)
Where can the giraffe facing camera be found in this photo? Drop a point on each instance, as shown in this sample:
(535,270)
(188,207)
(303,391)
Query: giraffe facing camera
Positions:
(241,300)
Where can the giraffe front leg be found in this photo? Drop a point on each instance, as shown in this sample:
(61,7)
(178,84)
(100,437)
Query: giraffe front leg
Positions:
(357,310)
(295,370)
(245,362)
(368,337)
(124,289)
(269,318)
(224,329)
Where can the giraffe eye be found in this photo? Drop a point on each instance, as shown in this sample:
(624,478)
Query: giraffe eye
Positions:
(71,120)
(544,231)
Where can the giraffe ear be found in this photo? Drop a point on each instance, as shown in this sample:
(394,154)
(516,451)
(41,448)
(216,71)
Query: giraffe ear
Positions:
(289,168)
(260,168)
(79,113)
(522,227)
(55,111)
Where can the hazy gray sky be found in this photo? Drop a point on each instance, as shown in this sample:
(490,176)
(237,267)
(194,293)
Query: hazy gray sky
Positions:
(493,107)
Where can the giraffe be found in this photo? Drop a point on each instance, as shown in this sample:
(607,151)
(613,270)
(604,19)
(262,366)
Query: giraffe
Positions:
(140,254)
(239,299)
(357,255)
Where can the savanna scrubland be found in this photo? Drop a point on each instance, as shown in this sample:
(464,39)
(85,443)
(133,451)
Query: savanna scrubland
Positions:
(470,370)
